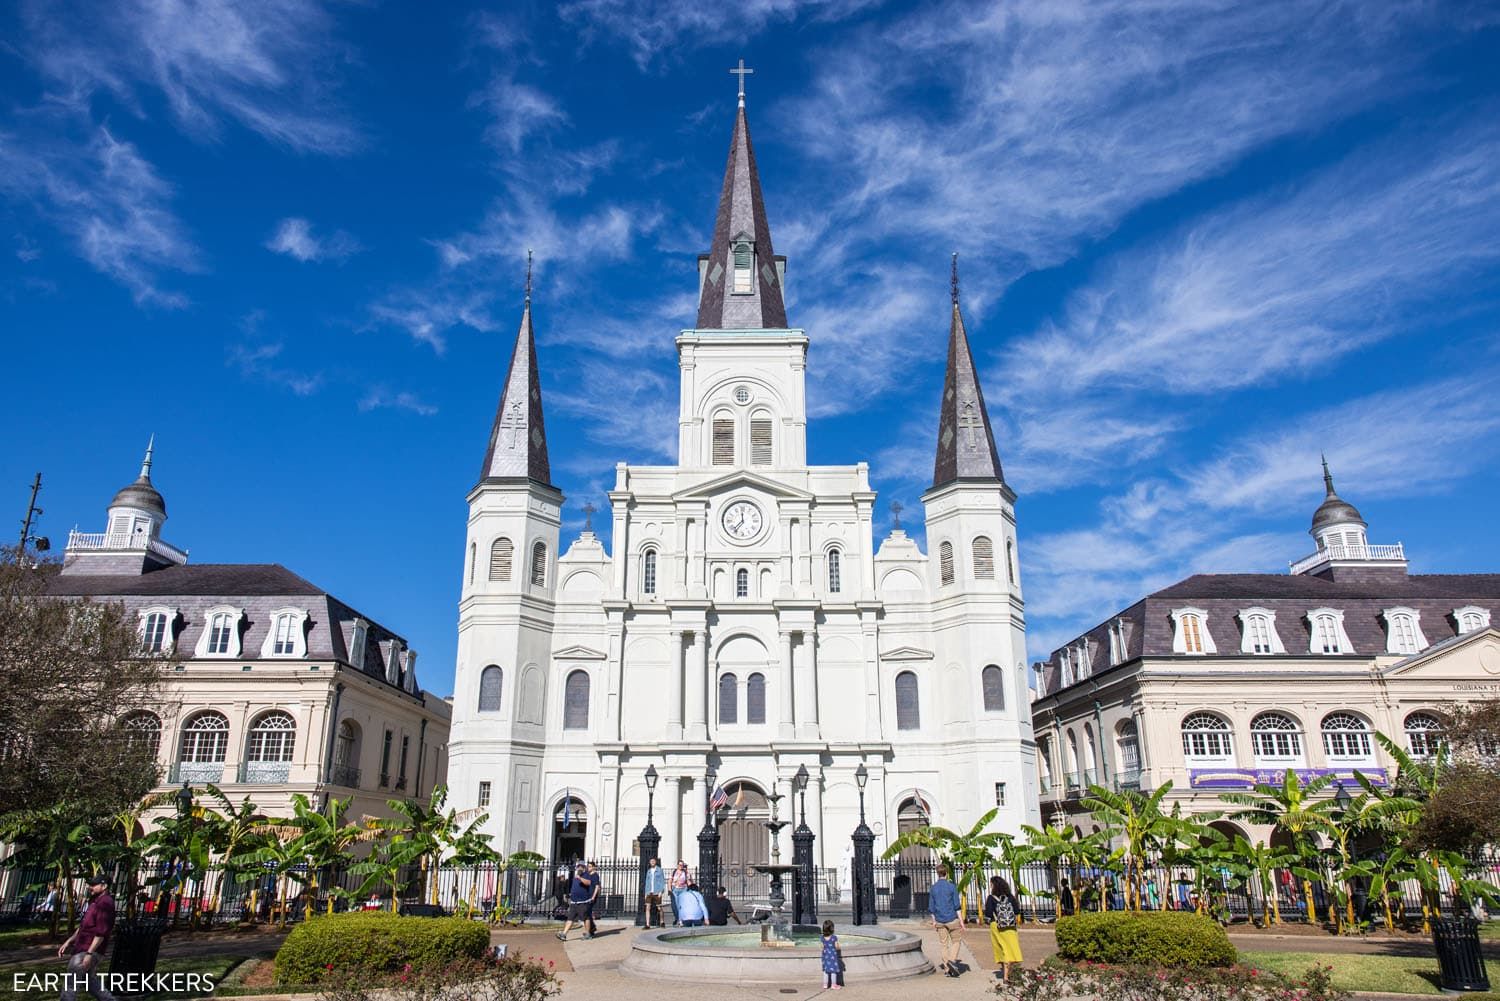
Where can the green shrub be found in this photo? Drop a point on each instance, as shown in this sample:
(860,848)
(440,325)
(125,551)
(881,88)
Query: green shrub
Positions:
(375,943)
(1161,938)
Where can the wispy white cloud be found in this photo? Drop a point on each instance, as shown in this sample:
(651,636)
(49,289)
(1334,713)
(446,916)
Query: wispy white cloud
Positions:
(112,204)
(385,398)
(294,237)
(262,360)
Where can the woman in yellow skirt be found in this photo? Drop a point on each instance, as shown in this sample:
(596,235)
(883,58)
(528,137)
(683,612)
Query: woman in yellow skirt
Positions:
(1000,910)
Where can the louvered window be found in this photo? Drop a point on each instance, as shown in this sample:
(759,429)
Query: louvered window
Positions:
(473,558)
(993,682)
(1192,634)
(539,565)
(908,712)
(1010,560)
(729,704)
(576,701)
(723,442)
(755,698)
(945,563)
(742,583)
(648,572)
(744,268)
(835,571)
(500,555)
(984,558)
(489,689)
(760,441)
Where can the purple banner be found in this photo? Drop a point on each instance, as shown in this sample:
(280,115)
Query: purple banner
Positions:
(1244,778)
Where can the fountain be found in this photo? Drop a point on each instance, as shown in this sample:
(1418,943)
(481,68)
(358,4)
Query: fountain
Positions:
(777,932)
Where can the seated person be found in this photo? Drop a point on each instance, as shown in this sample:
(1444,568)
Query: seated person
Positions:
(720,909)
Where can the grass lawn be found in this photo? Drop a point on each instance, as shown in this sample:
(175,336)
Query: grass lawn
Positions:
(15,938)
(1490,931)
(1354,971)
(215,966)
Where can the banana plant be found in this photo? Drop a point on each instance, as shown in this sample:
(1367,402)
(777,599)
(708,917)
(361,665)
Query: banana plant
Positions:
(967,854)
(237,829)
(324,841)
(1059,849)
(1258,862)
(1138,820)
(420,834)
(1295,809)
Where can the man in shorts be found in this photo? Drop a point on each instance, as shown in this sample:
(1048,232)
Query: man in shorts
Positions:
(580,894)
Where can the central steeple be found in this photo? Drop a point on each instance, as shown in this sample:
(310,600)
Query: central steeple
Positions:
(518,438)
(966,444)
(740,277)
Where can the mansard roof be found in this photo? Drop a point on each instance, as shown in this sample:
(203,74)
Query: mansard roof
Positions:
(742,214)
(518,438)
(966,444)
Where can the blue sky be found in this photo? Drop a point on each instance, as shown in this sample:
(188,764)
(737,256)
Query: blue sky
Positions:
(1200,243)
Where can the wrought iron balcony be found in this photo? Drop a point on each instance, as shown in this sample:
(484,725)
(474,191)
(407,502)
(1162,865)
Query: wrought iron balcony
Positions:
(1129,779)
(264,772)
(344,775)
(196,772)
(1358,553)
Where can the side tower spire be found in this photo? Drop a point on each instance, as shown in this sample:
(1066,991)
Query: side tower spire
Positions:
(966,445)
(518,438)
(740,277)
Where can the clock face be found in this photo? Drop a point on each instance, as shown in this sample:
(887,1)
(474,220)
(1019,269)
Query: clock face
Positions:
(742,520)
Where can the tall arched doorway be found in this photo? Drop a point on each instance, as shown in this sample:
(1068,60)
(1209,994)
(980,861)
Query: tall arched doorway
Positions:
(744,841)
(570,827)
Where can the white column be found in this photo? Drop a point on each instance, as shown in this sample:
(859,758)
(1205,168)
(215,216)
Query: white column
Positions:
(869,629)
(815,820)
(805,555)
(787,570)
(674,688)
(616,671)
(671,815)
(696,673)
(866,553)
(788,721)
(807,685)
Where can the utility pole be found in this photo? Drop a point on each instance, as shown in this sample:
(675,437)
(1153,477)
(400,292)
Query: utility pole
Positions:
(32,512)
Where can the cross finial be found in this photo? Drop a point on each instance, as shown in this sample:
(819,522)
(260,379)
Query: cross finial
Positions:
(528,276)
(896,508)
(741,72)
(1327,476)
(588,516)
(954,279)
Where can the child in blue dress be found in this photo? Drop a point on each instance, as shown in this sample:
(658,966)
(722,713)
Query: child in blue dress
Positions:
(833,959)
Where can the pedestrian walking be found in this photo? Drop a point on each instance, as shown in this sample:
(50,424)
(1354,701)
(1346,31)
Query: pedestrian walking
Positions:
(656,885)
(85,946)
(1000,910)
(596,880)
(833,959)
(580,890)
(694,907)
(680,881)
(942,906)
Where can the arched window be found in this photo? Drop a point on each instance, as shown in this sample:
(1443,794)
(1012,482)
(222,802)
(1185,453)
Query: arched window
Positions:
(205,738)
(945,563)
(1192,633)
(835,571)
(729,699)
(1424,734)
(285,632)
(473,558)
(742,583)
(539,565)
(755,698)
(1010,560)
(744,267)
(1206,739)
(501,551)
(1326,633)
(761,447)
(1275,737)
(908,710)
(154,633)
(1128,751)
(576,701)
(723,441)
(220,633)
(272,738)
(1090,763)
(1345,735)
(1471,618)
(992,679)
(984,558)
(490,680)
(1257,638)
(143,730)
(1402,633)
(648,572)
(346,747)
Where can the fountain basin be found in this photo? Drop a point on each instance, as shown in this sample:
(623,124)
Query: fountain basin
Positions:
(714,955)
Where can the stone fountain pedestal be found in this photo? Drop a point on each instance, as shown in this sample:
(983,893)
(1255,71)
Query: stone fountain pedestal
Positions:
(870,954)
(777,932)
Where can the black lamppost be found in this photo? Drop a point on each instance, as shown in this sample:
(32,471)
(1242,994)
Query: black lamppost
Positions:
(184,800)
(708,839)
(650,844)
(864,857)
(804,899)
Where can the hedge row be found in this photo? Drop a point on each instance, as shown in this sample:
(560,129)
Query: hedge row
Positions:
(375,943)
(1163,938)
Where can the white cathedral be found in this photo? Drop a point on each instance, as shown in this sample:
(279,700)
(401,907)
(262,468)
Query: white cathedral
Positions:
(742,620)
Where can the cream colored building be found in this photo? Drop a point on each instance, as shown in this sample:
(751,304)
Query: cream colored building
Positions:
(274,687)
(1222,680)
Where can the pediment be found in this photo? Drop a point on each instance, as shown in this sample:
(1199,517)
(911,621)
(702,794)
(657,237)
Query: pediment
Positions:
(577,652)
(1473,655)
(742,478)
(907,653)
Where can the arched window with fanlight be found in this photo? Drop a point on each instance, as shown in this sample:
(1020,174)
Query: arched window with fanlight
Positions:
(576,701)
(729,700)
(1207,740)
(992,681)
(908,708)
(755,698)
(1276,740)
(742,583)
(1346,738)
(490,680)
(268,751)
(143,730)
(835,571)
(205,741)
(648,572)
(1424,734)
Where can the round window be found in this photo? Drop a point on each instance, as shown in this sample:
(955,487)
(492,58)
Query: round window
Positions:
(742,394)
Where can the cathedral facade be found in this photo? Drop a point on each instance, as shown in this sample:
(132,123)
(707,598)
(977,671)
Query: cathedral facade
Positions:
(742,622)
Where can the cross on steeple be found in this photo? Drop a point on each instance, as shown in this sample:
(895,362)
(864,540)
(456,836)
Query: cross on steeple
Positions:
(741,72)
(896,509)
(528,276)
(955,278)
(588,516)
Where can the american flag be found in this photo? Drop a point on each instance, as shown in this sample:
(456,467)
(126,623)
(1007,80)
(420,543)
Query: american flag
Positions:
(720,799)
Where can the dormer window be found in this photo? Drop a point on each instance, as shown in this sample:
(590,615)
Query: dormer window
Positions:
(1191,634)
(156,630)
(1258,632)
(1326,631)
(221,632)
(1471,618)
(744,268)
(287,636)
(1403,631)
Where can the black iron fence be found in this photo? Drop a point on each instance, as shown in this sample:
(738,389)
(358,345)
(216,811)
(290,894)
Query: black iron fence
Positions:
(902,888)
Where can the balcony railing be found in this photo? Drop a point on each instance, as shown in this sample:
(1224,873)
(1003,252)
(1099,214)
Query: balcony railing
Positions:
(123,541)
(196,772)
(344,775)
(264,772)
(1365,554)
(1129,779)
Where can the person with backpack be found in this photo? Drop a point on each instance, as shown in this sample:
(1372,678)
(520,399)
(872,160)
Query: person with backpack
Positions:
(1000,910)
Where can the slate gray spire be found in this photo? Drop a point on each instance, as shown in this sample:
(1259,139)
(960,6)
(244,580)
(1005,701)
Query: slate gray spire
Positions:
(966,445)
(1334,510)
(142,493)
(741,274)
(518,439)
